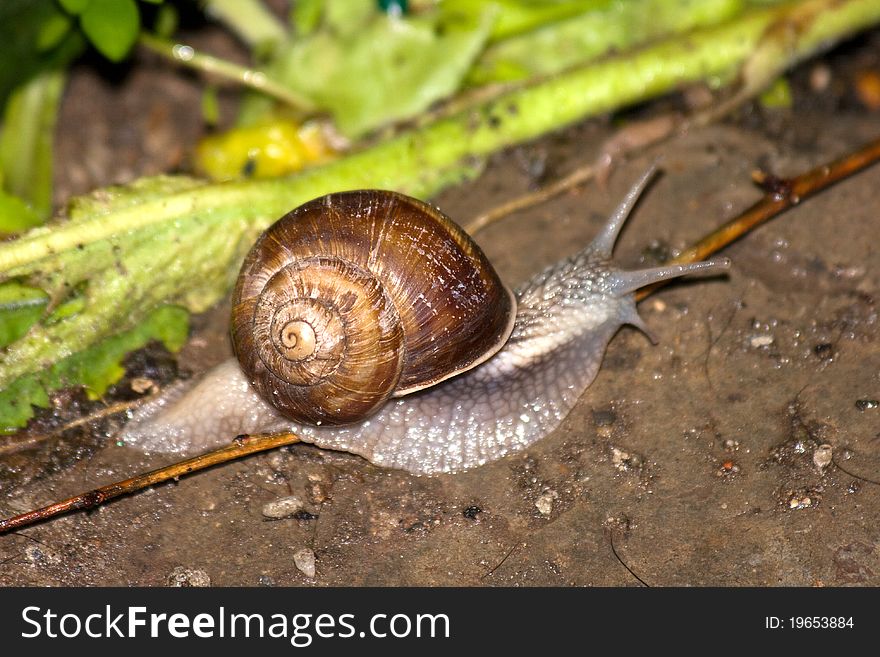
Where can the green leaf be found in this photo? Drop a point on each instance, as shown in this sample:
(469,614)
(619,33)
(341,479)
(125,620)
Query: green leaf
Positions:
(112,26)
(96,368)
(67,309)
(520,16)
(167,20)
(17,402)
(306,15)
(385,69)
(26,39)
(106,279)
(15,215)
(27,140)
(21,306)
(251,21)
(53,31)
(74,6)
(777,96)
(345,18)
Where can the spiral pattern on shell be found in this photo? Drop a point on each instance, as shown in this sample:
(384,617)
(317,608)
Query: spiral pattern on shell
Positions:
(355,297)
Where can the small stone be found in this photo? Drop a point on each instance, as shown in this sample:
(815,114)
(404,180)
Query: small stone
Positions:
(798,502)
(820,78)
(141,384)
(34,554)
(544,503)
(317,492)
(283,507)
(304,560)
(822,456)
(38,555)
(276,460)
(472,512)
(625,461)
(867,404)
(188,577)
(604,418)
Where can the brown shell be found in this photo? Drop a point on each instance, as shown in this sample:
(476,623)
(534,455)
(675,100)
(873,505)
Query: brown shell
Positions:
(357,296)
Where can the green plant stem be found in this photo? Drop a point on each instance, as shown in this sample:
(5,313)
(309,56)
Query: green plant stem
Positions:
(210,65)
(581,38)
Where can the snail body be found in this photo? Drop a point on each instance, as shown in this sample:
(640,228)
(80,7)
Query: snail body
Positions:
(492,406)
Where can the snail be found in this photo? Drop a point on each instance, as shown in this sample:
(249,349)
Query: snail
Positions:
(472,372)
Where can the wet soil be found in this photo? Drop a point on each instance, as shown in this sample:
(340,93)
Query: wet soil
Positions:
(743,449)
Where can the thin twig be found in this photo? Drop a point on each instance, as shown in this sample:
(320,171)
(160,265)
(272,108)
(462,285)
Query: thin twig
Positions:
(248,77)
(781,194)
(28,441)
(622,562)
(633,137)
(853,474)
(498,565)
(241,446)
(577,177)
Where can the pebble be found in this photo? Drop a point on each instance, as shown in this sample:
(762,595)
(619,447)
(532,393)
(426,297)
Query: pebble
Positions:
(544,503)
(820,78)
(141,384)
(624,461)
(822,456)
(304,560)
(276,461)
(188,577)
(41,555)
(797,502)
(761,341)
(283,507)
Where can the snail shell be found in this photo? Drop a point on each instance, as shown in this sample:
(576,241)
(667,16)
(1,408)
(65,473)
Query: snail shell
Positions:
(565,317)
(359,296)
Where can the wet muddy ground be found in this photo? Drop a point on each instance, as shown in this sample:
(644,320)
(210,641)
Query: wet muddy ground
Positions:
(739,451)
